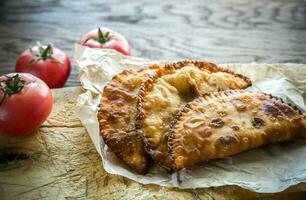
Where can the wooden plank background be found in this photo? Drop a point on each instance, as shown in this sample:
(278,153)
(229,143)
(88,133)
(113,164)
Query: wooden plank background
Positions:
(269,31)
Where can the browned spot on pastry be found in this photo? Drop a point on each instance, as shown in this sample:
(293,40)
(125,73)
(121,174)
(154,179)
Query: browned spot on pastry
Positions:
(257,122)
(278,109)
(235,128)
(226,140)
(216,122)
(239,105)
(288,111)
(224,143)
(121,140)
(111,117)
(271,109)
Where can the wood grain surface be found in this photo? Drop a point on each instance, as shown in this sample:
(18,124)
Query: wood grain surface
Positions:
(227,31)
(60,162)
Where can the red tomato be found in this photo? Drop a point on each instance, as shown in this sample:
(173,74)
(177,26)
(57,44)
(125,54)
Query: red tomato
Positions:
(106,39)
(47,63)
(25,103)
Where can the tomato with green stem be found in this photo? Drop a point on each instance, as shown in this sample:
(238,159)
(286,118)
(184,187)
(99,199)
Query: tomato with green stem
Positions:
(25,103)
(48,63)
(106,39)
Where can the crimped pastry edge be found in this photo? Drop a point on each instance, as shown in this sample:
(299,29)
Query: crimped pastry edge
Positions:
(207,97)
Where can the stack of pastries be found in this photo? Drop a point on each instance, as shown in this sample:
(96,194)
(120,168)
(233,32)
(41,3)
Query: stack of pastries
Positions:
(183,113)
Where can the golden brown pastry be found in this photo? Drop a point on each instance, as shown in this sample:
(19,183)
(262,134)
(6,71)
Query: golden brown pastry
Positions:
(173,86)
(226,123)
(117,116)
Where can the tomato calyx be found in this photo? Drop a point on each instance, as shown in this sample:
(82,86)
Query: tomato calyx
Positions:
(101,37)
(44,54)
(11,85)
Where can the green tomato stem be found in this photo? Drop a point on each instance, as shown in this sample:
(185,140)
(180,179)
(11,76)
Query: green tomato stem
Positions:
(46,53)
(10,86)
(101,37)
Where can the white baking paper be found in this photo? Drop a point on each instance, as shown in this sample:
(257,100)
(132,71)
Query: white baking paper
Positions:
(268,169)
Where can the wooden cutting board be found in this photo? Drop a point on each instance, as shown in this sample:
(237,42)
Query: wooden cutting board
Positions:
(60,162)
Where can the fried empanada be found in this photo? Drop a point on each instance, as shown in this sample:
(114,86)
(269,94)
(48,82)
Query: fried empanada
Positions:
(117,116)
(226,123)
(173,86)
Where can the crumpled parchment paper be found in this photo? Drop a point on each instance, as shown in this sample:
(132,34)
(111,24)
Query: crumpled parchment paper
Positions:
(272,168)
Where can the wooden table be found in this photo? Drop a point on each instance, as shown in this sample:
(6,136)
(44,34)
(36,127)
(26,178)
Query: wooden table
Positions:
(60,162)
(221,31)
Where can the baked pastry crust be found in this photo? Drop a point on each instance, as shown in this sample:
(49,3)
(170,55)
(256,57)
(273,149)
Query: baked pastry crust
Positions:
(117,116)
(225,123)
(161,97)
